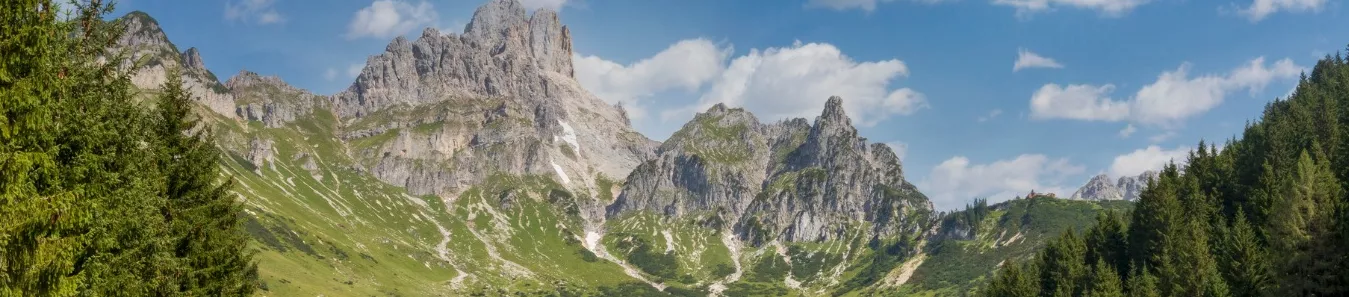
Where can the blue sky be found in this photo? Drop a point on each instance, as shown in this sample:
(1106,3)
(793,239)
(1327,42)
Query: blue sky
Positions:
(1105,86)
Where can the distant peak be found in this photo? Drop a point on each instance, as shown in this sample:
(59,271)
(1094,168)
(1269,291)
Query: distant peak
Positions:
(492,19)
(833,112)
(192,59)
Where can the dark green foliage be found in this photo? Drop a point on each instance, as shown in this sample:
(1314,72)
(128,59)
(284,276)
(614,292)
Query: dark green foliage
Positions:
(94,199)
(207,237)
(884,257)
(652,261)
(1263,217)
(1014,280)
(1062,267)
(1244,262)
(1104,282)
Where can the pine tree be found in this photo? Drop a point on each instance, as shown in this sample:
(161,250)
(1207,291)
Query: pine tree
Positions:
(1298,225)
(1104,282)
(206,231)
(1245,266)
(1107,242)
(1013,280)
(1062,269)
(77,188)
(1143,284)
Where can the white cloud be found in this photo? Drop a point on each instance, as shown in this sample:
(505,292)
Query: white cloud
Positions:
(1110,8)
(1077,102)
(1150,158)
(1128,130)
(261,12)
(795,81)
(388,18)
(330,74)
(956,181)
(901,149)
(1172,98)
(991,115)
(1027,59)
(550,4)
(1260,9)
(687,65)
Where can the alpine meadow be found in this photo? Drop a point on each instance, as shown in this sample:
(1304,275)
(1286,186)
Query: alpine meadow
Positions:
(686,148)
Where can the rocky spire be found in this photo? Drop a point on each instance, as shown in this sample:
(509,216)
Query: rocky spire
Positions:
(495,22)
(192,59)
(550,42)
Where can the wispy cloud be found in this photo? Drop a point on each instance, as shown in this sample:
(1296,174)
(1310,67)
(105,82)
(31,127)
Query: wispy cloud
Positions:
(1026,59)
(1260,9)
(262,12)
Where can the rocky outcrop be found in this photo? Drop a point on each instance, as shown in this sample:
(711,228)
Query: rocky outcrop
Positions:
(145,46)
(1102,187)
(789,180)
(261,154)
(271,101)
(443,112)
(502,53)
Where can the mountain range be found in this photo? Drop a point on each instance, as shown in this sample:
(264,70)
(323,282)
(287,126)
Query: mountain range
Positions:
(1102,187)
(474,163)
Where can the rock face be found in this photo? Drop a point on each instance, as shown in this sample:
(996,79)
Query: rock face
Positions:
(502,53)
(444,112)
(144,43)
(1126,188)
(271,101)
(789,180)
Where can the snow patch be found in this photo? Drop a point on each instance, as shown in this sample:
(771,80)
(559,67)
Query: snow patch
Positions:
(569,135)
(560,174)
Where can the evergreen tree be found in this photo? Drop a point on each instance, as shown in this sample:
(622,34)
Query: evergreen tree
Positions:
(77,186)
(1143,284)
(1298,226)
(1104,282)
(204,215)
(1061,266)
(1245,266)
(1106,242)
(1013,281)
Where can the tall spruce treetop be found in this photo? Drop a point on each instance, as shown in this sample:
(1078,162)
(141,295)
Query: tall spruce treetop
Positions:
(202,212)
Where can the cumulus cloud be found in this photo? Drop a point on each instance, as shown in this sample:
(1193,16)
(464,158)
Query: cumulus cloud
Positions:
(389,18)
(260,12)
(550,4)
(1026,59)
(1259,9)
(956,181)
(1150,158)
(686,65)
(1172,98)
(795,81)
(1077,102)
(1110,8)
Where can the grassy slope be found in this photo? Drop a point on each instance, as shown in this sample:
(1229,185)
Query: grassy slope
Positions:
(954,266)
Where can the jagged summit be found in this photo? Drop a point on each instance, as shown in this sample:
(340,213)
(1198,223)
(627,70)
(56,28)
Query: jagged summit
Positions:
(771,178)
(1103,187)
(502,53)
(192,59)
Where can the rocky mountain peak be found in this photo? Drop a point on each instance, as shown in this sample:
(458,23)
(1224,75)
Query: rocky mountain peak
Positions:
(1103,187)
(1100,187)
(493,22)
(502,53)
(192,59)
